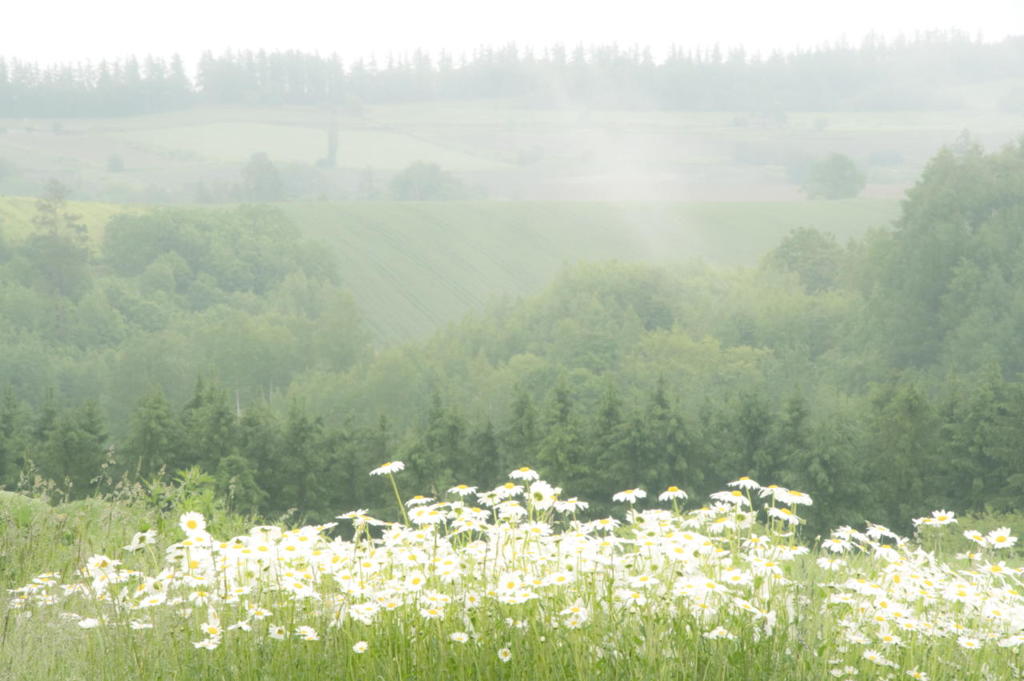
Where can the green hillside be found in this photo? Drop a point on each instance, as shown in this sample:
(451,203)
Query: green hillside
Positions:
(16,214)
(413,267)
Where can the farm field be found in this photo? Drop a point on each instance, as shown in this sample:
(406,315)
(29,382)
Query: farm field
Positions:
(507,150)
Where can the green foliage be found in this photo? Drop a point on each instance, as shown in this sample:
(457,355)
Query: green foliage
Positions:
(563,456)
(414,267)
(819,369)
(250,249)
(236,485)
(157,440)
(57,253)
(835,177)
(440,450)
(72,449)
(813,255)
(950,289)
(260,179)
(520,436)
(427,182)
(174,293)
(12,436)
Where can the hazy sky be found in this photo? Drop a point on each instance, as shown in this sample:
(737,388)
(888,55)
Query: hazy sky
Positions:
(63,30)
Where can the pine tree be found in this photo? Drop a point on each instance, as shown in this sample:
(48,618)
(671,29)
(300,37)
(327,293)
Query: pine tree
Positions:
(300,464)
(831,468)
(259,435)
(615,464)
(519,439)
(156,441)
(210,426)
(788,441)
(563,453)
(483,450)
(663,450)
(904,426)
(440,454)
(236,485)
(74,452)
(752,426)
(12,437)
(58,248)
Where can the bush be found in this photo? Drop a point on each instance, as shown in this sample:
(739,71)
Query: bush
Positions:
(115,164)
(428,182)
(836,177)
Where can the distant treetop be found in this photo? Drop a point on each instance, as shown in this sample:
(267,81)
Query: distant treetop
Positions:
(878,75)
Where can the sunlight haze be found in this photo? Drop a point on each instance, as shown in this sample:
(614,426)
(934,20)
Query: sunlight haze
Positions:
(93,31)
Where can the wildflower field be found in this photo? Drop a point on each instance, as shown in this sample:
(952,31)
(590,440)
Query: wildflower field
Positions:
(514,583)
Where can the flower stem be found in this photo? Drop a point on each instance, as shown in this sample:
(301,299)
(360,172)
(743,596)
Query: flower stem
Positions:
(398,498)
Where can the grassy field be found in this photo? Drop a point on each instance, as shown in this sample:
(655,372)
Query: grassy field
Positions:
(526,588)
(510,151)
(413,267)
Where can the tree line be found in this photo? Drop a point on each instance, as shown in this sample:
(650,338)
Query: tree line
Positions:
(892,456)
(877,75)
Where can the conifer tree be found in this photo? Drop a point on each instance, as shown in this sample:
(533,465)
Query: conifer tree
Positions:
(483,450)
(236,485)
(662,449)
(210,426)
(563,456)
(300,464)
(75,450)
(12,437)
(440,452)
(156,440)
(520,437)
(614,459)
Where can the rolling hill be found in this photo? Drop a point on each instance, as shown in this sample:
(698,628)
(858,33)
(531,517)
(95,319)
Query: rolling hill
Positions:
(508,151)
(412,267)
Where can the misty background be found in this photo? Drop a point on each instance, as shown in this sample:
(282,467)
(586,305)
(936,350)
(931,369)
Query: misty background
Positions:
(605,123)
(664,261)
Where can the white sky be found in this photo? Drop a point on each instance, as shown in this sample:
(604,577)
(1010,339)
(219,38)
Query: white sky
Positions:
(71,30)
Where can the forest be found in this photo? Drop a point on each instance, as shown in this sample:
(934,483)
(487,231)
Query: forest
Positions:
(220,340)
(878,75)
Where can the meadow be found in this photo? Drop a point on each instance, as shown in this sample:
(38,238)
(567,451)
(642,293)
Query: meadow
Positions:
(561,323)
(508,150)
(513,583)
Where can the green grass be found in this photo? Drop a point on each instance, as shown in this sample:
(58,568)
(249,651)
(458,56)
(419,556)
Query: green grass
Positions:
(413,267)
(669,595)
